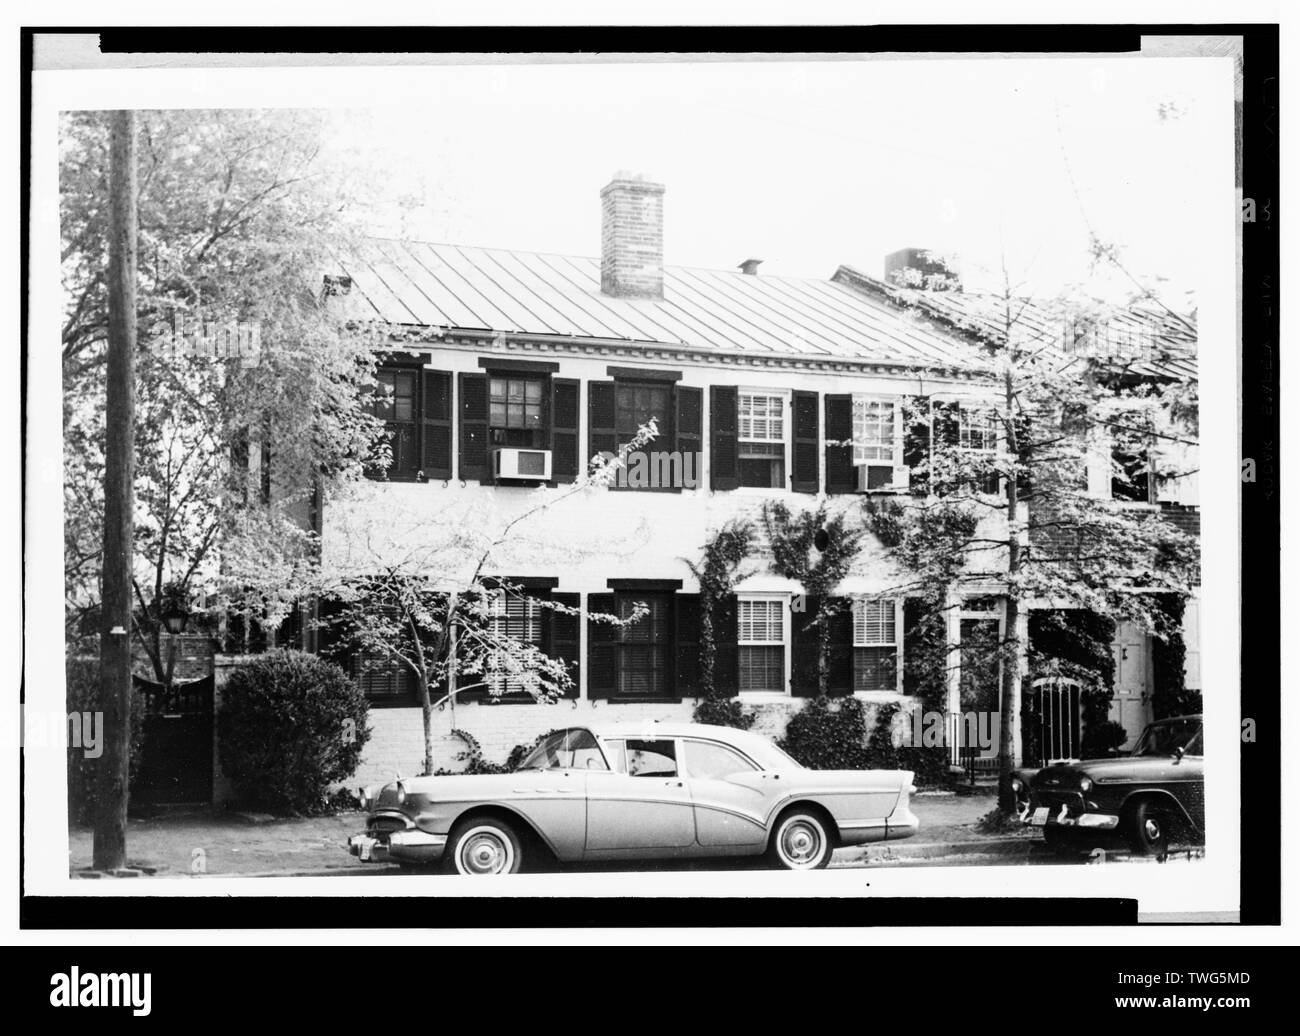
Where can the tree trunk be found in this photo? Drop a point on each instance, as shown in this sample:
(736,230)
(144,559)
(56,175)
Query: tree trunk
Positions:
(1010,704)
(426,711)
(109,852)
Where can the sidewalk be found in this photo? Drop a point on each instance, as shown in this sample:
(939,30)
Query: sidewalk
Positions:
(203,842)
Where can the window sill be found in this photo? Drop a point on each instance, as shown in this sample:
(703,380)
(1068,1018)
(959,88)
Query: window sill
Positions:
(758,697)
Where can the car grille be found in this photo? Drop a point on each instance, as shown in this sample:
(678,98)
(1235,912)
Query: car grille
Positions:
(1054,800)
(382,827)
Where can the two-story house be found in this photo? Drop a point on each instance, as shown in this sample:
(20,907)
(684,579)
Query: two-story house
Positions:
(507,369)
(504,370)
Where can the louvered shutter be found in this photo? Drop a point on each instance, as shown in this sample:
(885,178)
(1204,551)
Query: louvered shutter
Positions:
(560,632)
(724,463)
(602,436)
(686,644)
(839,656)
(726,657)
(690,431)
(474,459)
(806,448)
(803,648)
(840,476)
(916,444)
(435,460)
(564,429)
(602,647)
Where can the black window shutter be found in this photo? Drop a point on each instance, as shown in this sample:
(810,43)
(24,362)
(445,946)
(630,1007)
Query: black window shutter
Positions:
(474,458)
(560,633)
(436,456)
(916,444)
(839,657)
(690,429)
(803,650)
(686,641)
(564,429)
(602,647)
(839,459)
(726,657)
(806,449)
(723,417)
(602,437)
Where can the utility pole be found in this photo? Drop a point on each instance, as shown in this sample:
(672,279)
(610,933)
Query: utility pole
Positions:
(119,501)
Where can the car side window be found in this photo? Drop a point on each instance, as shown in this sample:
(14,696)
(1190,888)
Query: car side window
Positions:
(651,759)
(709,760)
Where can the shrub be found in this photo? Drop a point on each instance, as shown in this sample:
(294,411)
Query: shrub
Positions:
(83,696)
(723,712)
(290,725)
(829,735)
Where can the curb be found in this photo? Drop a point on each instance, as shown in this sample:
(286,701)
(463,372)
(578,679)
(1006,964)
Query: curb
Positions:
(931,850)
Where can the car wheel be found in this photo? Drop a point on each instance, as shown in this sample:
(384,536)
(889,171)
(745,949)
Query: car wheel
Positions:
(484,845)
(1066,844)
(800,842)
(1148,829)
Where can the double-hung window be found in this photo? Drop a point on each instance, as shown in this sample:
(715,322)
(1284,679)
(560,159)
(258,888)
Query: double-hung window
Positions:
(643,658)
(875,645)
(761,627)
(977,433)
(878,443)
(513,618)
(516,412)
(761,438)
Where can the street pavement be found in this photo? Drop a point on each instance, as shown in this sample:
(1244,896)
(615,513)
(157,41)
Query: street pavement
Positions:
(204,843)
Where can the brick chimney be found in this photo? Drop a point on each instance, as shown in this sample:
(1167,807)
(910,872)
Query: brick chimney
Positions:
(921,268)
(632,237)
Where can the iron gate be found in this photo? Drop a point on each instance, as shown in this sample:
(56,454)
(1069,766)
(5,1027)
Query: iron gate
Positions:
(1059,727)
(176,753)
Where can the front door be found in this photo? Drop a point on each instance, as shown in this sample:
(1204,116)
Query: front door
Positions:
(1131,706)
(645,808)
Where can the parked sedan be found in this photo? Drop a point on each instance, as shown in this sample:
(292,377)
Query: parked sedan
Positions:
(631,792)
(1148,796)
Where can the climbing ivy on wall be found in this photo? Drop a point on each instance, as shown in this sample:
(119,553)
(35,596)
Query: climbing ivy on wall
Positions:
(1170,695)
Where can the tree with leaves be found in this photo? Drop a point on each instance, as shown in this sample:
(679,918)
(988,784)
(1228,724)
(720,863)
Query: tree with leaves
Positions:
(1006,504)
(239,218)
(430,597)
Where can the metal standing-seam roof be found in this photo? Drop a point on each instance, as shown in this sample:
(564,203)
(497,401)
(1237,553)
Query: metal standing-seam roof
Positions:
(1150,344)
(538,293)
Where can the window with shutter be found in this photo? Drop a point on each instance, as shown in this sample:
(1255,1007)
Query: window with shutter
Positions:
(643,658)
(875,645)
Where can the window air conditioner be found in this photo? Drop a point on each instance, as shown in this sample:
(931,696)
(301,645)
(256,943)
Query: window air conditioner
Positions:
(523,465)
(882,478)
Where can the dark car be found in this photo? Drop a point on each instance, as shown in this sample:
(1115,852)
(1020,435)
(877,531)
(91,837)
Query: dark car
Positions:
(1149,796)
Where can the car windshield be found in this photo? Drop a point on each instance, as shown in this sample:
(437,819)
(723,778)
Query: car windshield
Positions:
(570,749)
(1167,737)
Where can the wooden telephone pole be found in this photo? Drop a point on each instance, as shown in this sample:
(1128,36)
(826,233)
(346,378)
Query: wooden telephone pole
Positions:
(119,502)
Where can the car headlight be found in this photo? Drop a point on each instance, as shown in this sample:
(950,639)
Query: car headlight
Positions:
(363,795)
(1016,784)
(1085,784)
(401,793)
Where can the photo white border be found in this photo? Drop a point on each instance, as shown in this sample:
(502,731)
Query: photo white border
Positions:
(1208,885)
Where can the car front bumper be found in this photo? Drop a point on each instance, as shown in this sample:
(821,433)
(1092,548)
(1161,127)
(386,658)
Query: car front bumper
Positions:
(409,846)
(1063,816)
